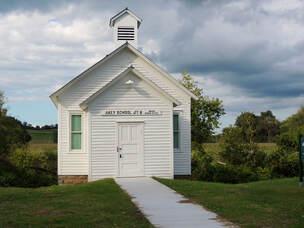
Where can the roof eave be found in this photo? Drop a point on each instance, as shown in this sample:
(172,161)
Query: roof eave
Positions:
(162,71)
(54,99)
(119,14)
(67,85)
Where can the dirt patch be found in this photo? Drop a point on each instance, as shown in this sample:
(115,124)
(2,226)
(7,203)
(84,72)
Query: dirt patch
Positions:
(186,201)
(42,212)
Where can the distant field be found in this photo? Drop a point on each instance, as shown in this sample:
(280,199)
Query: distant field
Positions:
(43,136)
(214,148)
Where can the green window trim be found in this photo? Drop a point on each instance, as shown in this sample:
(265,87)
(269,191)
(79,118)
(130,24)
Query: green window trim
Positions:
(76,132)
(176,131)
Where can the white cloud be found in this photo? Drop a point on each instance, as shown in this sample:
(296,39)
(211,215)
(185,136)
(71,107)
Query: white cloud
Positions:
(39,50)
(247,53)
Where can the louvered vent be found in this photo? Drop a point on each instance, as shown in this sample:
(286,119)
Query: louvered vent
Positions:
(125,33)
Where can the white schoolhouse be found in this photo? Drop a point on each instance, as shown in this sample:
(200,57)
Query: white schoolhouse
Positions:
(124,116)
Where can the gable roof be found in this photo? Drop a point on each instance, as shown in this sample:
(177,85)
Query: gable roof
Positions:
(86,102)
(54,95)
(123,12)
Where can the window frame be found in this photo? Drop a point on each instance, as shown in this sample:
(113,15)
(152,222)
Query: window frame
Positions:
(176,131)
(76,113)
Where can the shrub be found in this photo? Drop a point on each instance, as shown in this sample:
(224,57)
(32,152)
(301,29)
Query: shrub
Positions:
(238,152)
(233,174)
(202,167)
(12,135)
(29,169)
(205,168)
(283,163)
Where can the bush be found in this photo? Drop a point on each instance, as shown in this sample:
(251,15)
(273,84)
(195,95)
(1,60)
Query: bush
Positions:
(202,164)
(238,152)
(26,178)
(29,169)
(283,163)
(233,174)
(12,135)
(205,168)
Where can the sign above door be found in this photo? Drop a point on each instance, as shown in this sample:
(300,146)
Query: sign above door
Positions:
(137,112)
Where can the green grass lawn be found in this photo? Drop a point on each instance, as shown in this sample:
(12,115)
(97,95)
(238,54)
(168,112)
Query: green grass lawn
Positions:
(97,204)
(43,136)
(214,148)
(273,203)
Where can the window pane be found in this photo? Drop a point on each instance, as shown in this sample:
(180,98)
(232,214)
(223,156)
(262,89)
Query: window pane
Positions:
(76,141)
(175,122)
(176,140)
(76,122)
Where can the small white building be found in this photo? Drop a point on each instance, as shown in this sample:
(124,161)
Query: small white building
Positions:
(124,116)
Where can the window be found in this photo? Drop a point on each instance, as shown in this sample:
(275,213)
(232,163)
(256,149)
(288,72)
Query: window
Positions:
(76,132)
(125,33)
(175,131)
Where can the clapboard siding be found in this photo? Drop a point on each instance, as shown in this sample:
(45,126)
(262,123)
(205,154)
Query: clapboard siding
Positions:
(71,163)
(157,130)
(182,157)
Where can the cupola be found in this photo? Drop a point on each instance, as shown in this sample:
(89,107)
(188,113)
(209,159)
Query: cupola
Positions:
(125,26)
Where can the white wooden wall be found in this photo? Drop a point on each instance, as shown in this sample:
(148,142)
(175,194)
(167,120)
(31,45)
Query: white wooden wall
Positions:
(70,163)
(157,129)
(126,20)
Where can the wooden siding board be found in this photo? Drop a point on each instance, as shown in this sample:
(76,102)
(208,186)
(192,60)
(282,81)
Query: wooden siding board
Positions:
(82,89)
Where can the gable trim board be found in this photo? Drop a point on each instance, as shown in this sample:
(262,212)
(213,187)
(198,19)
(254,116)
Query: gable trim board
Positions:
(121,13)
(54,96)
(85,103)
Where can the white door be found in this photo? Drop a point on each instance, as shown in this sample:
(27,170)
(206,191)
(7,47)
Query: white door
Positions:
(130,149)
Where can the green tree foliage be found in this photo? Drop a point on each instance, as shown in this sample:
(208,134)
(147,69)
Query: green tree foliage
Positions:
(240,151)
(268,127)
(290,130)
(293,122)
(12,135)
(205,112)
(284,161)
(12,132)
(258,128)
(247,123)
(2,103)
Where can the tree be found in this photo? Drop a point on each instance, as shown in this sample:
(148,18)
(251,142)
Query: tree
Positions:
(12,132)
(268,127)
(205,112)
(3,110)
(293,122)
(247,122)
(238,151)
(12,135)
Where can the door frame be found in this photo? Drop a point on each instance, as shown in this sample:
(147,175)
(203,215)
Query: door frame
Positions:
(118,122)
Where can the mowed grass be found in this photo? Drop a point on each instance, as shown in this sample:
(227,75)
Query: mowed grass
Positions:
(214,148)
(97,204)
(43,136)
(272,203)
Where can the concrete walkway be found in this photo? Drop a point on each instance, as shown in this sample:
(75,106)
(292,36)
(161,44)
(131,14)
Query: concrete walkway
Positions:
(164,207)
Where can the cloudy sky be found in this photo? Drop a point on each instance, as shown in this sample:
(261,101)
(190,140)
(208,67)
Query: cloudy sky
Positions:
(250,54)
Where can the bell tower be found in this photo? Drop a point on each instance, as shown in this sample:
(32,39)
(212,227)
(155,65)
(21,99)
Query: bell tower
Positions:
(125,26)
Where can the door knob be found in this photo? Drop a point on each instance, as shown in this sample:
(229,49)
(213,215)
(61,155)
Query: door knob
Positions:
(120,156)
